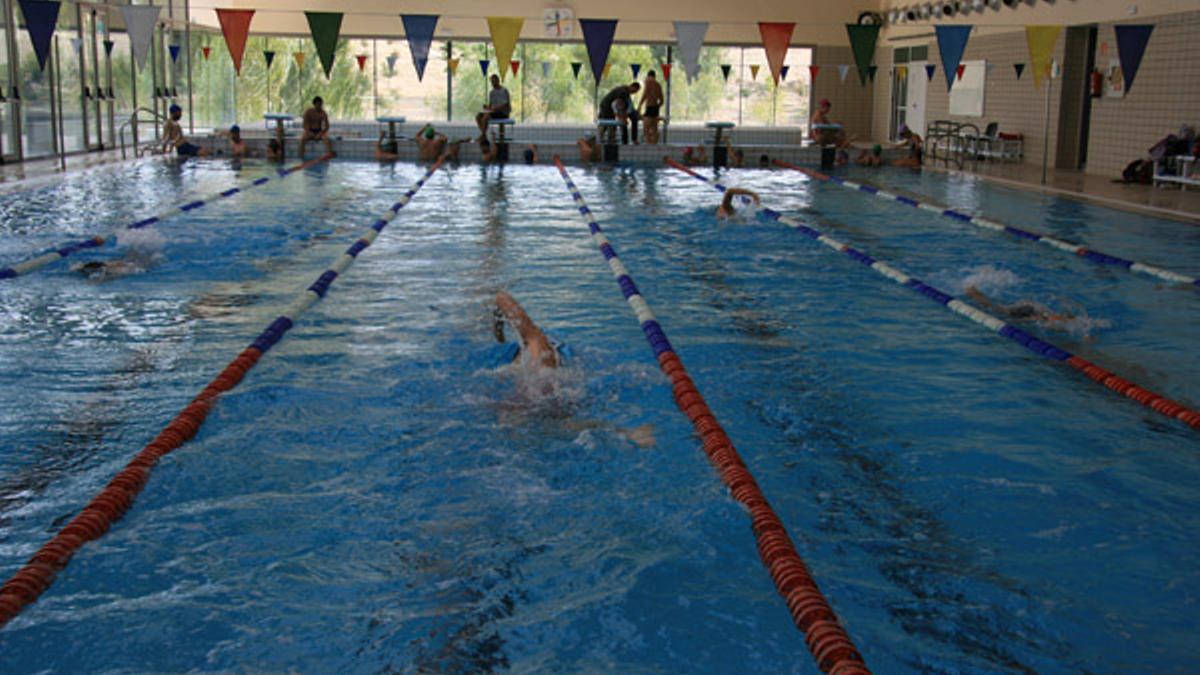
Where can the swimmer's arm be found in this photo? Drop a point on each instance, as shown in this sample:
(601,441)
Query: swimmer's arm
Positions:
(727,203)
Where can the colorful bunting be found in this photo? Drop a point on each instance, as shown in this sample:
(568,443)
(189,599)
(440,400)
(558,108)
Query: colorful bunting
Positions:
(812,73)
(391,64)
(362,61)
(235,26)
(269,57)
(545,69)
(604,73)
(930,69)
(775,38)
(959,70)
(726,68)
(783,71)
(139,24)
(862,42)
(843,70)
(952,42)
(1020,68)
(207,51)
(754,72)
(1041,40)
(598,36)
(483,65)
(418,30)
(515,66)
(452,64)
(575,66)
(871,70)
(325,28)
(690,36)
(41,16)
(173,49)
(636,68)
(1131,46)
(666,70)
(902,72)
(299,56)
(505,30)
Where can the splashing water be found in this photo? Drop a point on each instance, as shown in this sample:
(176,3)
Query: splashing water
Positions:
(989,279)
(143,247)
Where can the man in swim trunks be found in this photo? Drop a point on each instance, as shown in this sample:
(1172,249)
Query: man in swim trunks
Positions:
(499,106)
(726,210)
(535,346)
(316,126)
(916,149)
(1022,310)
(173,136)
(650,105)
(824,131)
(237,144)
(430,143)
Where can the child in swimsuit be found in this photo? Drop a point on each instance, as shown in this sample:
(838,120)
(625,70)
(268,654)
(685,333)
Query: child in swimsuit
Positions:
(173,136)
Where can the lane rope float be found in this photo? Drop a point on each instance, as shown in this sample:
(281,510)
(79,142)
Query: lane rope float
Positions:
(824,635)
(58,253)
(1150,399)
(1068,247)
(24,587)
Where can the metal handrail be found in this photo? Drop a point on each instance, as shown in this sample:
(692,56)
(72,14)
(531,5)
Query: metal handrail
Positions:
(954,139)
(131,120)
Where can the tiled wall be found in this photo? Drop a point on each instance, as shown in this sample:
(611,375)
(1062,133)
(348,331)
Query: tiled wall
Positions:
(1165,95)
(852,102)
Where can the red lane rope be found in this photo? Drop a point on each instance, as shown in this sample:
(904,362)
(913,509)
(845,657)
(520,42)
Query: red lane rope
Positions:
(824,635)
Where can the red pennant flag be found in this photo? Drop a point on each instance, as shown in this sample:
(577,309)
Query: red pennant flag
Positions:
(362,62)
(207,51)
(961,68)
(235,25)
(515,66)
(666,68)
(812,73)
(775,38)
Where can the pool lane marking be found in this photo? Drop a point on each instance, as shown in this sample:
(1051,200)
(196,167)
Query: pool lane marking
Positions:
(1150,399)
(27,266)
(24,587)
(829,643)
(1072,248)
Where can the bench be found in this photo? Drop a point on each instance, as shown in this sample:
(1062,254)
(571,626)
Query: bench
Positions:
(1184,171)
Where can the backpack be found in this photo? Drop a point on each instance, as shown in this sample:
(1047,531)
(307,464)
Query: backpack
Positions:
(1138,171)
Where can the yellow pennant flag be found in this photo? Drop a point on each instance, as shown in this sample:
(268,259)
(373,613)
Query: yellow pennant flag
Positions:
(604,73)
(453,65)
(299,56)
(505,31)
(1041,41)
(902,71)
(754,72)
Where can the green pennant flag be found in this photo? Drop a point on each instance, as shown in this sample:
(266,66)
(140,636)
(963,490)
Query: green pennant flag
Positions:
(862,41)
(325,27)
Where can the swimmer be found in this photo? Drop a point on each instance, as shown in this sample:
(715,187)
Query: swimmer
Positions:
(488,150)
(99,270)
(726,209)
(430,143)
(1022,310)
(386,150)
(237,144)
(173,138)
(531,154)
(916,149)
(535,346)
(697,156)
(274,151)
(589,149)
(872,158)
(316,126)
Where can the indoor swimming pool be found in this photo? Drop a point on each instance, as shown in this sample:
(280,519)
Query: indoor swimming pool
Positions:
(384,492)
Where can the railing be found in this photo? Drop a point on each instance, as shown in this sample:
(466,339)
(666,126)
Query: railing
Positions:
(133,118)
(951,142)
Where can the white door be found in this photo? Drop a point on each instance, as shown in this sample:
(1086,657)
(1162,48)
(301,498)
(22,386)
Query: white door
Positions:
(915,107)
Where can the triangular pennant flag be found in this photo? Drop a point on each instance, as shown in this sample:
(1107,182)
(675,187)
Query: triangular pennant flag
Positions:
(207,51)
(726,68)
(505,30)
(843,70)
(139,24)
(902,71)
(775,38)
(1041,40)
(235,26)
(1131,46)
(77,44)
(812,73)
(690,36)
(635,68)
(516,65)
(269,57)
(1020,68)
(575,66)
(483,65)
(173,49)
(783,71)
(754,72)
(299,56)
(862,42)
(604,73)
(545,69)
(952,42)
(598,36)
(871,70)
(962,68)
(325,28)
(418,30)
(41,16)
(362,61)
(930,69)
(666,70)
(452,64)
(391,63)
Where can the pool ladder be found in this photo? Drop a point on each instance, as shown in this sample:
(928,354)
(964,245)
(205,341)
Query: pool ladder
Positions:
(133,118)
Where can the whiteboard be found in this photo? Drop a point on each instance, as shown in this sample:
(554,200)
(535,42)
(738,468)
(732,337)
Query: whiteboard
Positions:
(966,98)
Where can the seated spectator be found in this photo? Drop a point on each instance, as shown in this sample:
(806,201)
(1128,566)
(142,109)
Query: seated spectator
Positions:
(173,138)
(499,107)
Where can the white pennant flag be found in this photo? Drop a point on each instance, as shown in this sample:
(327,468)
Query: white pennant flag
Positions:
(139,24)
(690,35)
(842,71)
(391,61)
(545,69)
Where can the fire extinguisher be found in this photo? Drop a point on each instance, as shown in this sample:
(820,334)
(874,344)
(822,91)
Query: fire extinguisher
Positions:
(1097,84)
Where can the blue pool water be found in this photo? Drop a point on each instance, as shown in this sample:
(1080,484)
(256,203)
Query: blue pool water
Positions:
(377,495)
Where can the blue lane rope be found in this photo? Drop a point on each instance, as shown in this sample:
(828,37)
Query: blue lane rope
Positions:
(1068,247)
(24,267)
(1148,398)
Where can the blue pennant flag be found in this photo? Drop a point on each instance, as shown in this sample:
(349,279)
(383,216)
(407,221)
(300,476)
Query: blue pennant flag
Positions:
(419,30)
(598,36)
(1020,68)
(930,69)
(269,57)
(483,65)
(174,49)
(575,66)
(952,42)
(636,68)
(783,71)
(40,18)
(1131,46)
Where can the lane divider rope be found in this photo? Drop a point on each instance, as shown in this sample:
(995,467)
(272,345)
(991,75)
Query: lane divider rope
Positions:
(1060,244)
(26,266)
(824,635)
(1150,399)
(24,587)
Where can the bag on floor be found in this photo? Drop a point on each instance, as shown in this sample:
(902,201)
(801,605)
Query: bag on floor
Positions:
(1138,171)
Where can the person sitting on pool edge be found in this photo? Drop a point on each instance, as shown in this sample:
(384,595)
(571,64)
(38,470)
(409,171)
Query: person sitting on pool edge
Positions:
(726,210)
(173,136)
(872,158)
(916,150)
(825,132)
(499,107)
(316,126)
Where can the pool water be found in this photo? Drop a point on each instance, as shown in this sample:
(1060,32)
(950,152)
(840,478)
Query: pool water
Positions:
(380,494)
